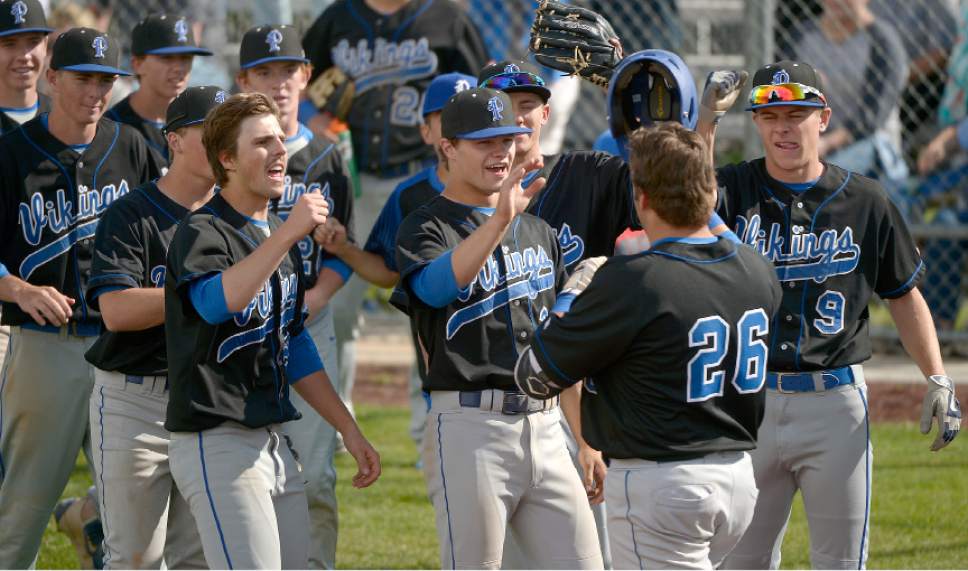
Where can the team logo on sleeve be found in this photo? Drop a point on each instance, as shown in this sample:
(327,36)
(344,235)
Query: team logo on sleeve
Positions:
(528,273)
(274,38)
(181,28)
(18,10)
(806,255)
(100,45)
(496,107)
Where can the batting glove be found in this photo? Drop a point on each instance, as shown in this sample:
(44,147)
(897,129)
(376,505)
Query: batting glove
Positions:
(583,274)
(721,90)
(942,404)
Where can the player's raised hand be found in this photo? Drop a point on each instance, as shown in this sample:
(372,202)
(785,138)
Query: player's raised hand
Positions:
(44,304)
(513,198)
(941,403)
(721,90)
(367,458)
(310,211)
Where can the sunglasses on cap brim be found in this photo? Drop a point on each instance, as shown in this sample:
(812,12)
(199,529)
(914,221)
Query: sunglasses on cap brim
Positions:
(503,81)
(786,93)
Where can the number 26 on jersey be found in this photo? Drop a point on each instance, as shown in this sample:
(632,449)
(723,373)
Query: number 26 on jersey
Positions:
(706,371)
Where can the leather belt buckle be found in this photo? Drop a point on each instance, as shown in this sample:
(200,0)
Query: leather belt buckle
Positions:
(779,383)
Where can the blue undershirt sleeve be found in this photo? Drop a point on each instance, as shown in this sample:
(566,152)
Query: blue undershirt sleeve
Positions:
(4,272)
(715,220)
(304,358)
(208,297)
(563,302)
(338,266)
(435,284)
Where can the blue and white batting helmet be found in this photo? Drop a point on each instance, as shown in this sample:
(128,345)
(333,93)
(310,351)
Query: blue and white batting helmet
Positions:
(648,87)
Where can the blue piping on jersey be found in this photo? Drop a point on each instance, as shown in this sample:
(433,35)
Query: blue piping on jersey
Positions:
(691,260)
(104,501)
(33,107)
(686,240)
(628,517)
(894,292)
(806,283)
(242,234)
(786,211)
(312,164)
(399,31)
(97,169)
(561,374)
(91,283)
(867,474)
(361,20)
(443,480)
(364,159)
(211,503)
(158,206)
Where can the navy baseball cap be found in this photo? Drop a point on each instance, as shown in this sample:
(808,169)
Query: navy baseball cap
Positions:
(192,106)
(161,34)
(86,50)
(479,113)
(786,83)
(514,76)
(22,17)
(271,43)
(442,88)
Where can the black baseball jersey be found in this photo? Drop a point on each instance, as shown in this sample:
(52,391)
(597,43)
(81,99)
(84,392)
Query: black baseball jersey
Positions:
(392,59)
(122,112)
(834,245)
(234,370)
(473,343)
(130,248)
(588,201)
(317,167)
(51,199)
(7,123)
(673,342)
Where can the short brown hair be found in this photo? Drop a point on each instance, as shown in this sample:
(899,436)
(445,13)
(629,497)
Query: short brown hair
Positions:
(222,125)
(669,163)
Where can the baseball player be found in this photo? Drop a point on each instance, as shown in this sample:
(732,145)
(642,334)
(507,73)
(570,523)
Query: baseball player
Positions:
(61,171)
(479,274)
(836,240)
(234,325)
(23,47)
(139,503)
(673,341)
(376,261)
(386,54)
(162,50)
(272,63)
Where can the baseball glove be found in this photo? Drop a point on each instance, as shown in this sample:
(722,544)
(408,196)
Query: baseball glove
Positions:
(575,40)
(332,92)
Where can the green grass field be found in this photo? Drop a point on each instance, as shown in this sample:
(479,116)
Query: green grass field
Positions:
(919,519)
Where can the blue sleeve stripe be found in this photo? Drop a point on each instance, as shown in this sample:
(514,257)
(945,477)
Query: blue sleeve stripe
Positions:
(208,297)
(907,284)
(97,292)
(113,279)
(304,358)
(435,284)
(563,303)
(338,266)
(4,272)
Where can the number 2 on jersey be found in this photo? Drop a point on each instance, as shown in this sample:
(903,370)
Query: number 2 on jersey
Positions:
(705,372)
(404,109)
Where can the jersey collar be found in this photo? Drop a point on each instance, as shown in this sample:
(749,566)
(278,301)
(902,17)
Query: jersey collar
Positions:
(831,179)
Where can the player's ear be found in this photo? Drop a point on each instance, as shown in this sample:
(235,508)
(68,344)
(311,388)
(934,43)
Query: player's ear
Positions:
(227,159)
(545,113)
(825,114)
(52,77)
(307,72)
(447,146)
(242,80)
(174,142)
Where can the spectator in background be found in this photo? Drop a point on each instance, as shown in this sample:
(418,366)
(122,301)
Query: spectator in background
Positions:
(391,49)
(63,17)
(864,68)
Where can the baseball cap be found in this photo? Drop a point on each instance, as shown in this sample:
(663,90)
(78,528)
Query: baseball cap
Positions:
(786,83)
(86,50)
(161,34)
(479,113)
(192,106)
(442,88)
(271,43)
(22,17)
(513,76)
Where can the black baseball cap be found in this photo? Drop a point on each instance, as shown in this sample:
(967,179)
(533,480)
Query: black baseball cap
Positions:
(192,106)
(513,76)
(479,113)
(22,17)
(786,83)
(86,50)
(161,34)
(271,43)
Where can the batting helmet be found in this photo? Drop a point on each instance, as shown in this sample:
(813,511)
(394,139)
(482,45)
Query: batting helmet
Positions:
(647,87)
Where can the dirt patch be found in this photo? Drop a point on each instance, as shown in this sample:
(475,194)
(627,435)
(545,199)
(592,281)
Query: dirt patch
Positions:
(889,402)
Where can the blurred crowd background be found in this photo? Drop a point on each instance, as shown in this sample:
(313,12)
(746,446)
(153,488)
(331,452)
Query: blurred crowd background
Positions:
(895,73)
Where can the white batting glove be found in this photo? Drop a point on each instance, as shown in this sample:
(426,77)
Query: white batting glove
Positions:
(583,274)
(941,403)
(721,90)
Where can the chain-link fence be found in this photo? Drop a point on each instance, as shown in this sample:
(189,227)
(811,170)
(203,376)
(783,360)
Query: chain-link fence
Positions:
(895,74)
